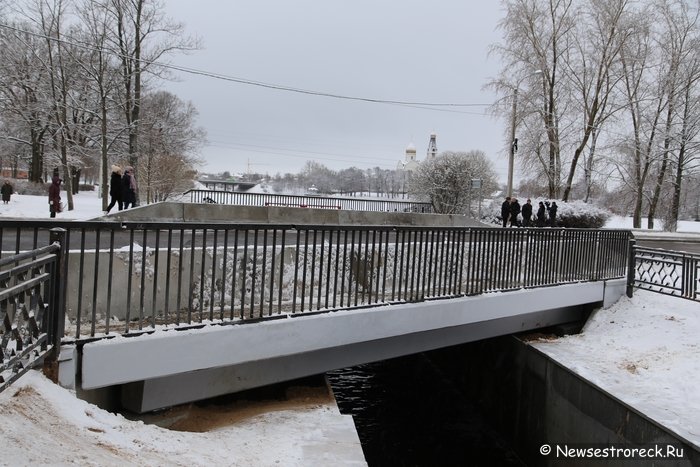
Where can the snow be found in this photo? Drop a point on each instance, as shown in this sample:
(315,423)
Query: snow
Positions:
(44,424)
(645,351)
(619,222)
(87,205)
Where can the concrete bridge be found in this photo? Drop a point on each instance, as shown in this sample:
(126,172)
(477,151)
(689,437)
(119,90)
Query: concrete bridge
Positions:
(161,313)
(172,367)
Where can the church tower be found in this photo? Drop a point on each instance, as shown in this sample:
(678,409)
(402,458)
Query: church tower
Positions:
(432,146)
(410,153)
(410,163)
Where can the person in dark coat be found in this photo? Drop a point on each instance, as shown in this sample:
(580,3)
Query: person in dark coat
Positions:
(541,215)
(6,191)
(115,188)
(55,196)
(505,211)
(527,213)
(553,214)
(128,188)
(514,211)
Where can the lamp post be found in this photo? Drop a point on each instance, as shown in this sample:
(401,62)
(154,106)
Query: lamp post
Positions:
(513,139)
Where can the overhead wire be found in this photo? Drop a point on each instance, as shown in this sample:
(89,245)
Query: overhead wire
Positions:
(250,82)
(450,107)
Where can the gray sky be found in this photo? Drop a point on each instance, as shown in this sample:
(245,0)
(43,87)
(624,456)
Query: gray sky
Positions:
(408,50)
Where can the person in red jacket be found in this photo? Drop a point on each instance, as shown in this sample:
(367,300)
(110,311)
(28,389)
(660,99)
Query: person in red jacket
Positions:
(55,196)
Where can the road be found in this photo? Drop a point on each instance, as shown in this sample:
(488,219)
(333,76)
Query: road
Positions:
(675,245)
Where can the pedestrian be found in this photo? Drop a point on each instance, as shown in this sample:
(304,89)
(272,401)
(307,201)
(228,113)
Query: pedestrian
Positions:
(129,188)
(514,211)
(505,211)
(55,195)
(115,188)
(553,214)
(541,215)
(7,191)
(527,213)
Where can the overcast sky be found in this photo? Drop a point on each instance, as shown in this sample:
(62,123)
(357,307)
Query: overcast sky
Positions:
(408,50)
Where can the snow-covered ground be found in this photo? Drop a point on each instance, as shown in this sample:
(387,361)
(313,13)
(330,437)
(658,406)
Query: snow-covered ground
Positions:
(44,424)
(644,350)
(618,222)
(87,205)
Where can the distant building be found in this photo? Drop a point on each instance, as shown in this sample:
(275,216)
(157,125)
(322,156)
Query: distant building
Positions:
(410,163)
(9,172)
(432,146)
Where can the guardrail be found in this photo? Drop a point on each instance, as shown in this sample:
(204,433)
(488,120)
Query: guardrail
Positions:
(667,272)
(127,278)
(31,310)
(318,202)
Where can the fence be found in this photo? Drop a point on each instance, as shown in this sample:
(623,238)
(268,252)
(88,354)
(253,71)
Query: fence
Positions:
(30,309)
(668,272)
(131,277)
(318,202)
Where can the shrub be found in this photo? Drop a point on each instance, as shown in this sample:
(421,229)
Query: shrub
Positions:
(578,214)
(25,187)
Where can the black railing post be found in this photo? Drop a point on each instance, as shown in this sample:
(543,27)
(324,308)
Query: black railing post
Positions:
(689,279)
(57,303)
(631,261)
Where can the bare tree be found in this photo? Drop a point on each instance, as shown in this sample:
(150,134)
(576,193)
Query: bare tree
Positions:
(22,87)
(446,180)
(590,66)
(677,41)
(537,38)
(688,154)
(50,16)
(140,36)
(646,98)
(170,143)
(100,71)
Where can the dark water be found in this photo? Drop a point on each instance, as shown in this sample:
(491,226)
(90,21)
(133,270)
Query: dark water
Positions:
(407,413)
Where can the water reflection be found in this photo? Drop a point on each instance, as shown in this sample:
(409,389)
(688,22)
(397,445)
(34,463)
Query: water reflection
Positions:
(408,413)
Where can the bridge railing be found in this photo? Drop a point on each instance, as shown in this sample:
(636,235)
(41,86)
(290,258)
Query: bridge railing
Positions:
(30,309)
(126,278)
(668,272)
(318,202)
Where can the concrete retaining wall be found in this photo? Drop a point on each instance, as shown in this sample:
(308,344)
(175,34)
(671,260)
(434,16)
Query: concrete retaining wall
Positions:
(534,400)
(194,212)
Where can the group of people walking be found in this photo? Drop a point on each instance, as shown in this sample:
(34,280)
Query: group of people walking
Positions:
(546,213)
(122,188)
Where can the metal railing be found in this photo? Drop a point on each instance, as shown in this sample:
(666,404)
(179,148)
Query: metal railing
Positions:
(317,202)
(667,272)
(30,309)
(132,277)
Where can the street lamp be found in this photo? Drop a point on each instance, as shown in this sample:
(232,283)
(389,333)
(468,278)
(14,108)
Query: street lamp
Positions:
(513,139)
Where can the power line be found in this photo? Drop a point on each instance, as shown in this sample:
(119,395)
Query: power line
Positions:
(264,150)
(250,82)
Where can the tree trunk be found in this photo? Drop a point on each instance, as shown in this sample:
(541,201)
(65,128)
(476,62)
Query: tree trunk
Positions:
(662,172)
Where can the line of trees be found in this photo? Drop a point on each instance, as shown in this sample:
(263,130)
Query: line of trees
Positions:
(78,92)
(608,93)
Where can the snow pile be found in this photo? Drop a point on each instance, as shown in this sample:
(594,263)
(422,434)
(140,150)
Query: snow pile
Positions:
(646,352)
(44,424)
